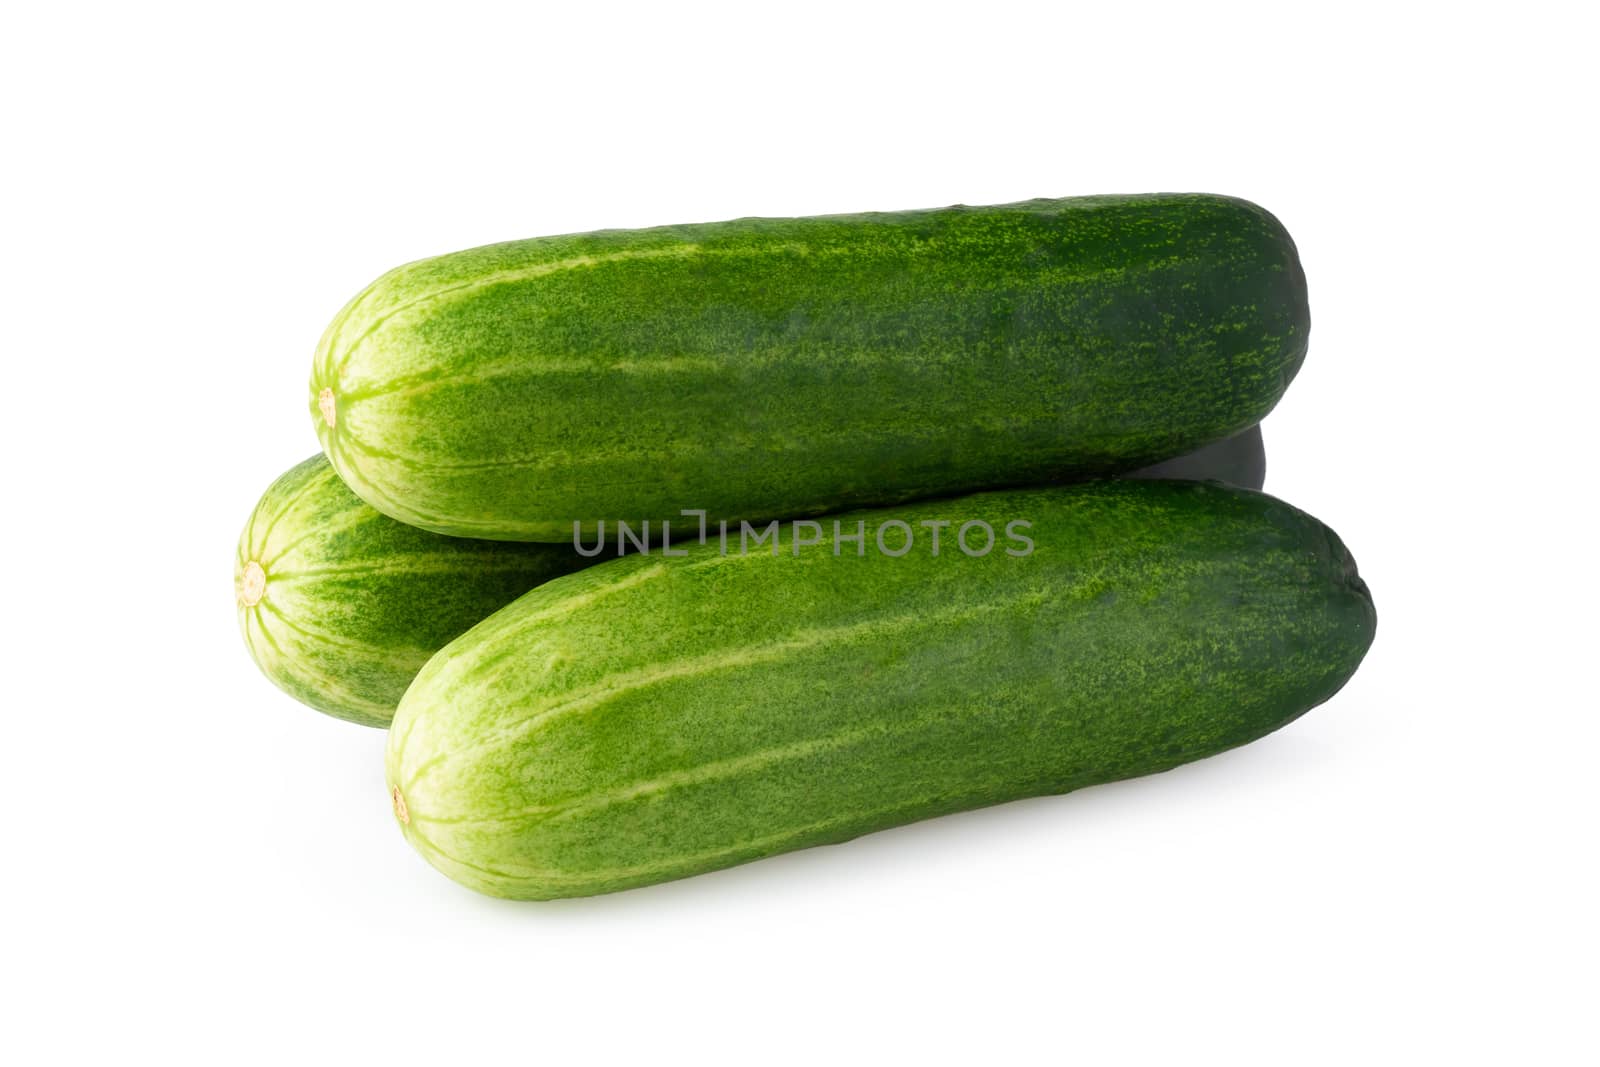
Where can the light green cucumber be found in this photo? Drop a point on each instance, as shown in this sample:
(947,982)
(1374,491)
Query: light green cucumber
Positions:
(778,368)
(652,718)
(341,605)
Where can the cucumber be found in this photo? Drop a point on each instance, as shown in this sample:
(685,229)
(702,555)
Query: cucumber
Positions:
(778,368)
(341,605)
(412,591)
(1240,460)
(654,717)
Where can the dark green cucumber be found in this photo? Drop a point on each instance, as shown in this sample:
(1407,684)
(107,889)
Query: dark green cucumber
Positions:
(785,367)
(652,717)
(341,605)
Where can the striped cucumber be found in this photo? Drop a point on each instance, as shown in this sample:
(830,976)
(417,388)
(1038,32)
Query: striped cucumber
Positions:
(345,621)
(653,717)
(341,606)
(766,368)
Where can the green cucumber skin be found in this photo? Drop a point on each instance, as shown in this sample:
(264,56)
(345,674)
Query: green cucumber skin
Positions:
(355,664)
(354,603)
(778,368)
(650,718)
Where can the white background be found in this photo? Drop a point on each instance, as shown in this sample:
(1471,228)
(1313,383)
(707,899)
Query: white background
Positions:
(197,869)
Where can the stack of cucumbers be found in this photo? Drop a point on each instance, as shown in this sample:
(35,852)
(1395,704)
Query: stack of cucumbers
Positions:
(658,551)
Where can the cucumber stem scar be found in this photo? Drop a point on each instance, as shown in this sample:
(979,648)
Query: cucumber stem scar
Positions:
(400,811)
(252,584)
(325,405)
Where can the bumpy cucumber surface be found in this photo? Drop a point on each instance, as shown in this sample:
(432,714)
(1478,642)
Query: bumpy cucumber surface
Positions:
(652,718)
(341,605)
(767,368)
